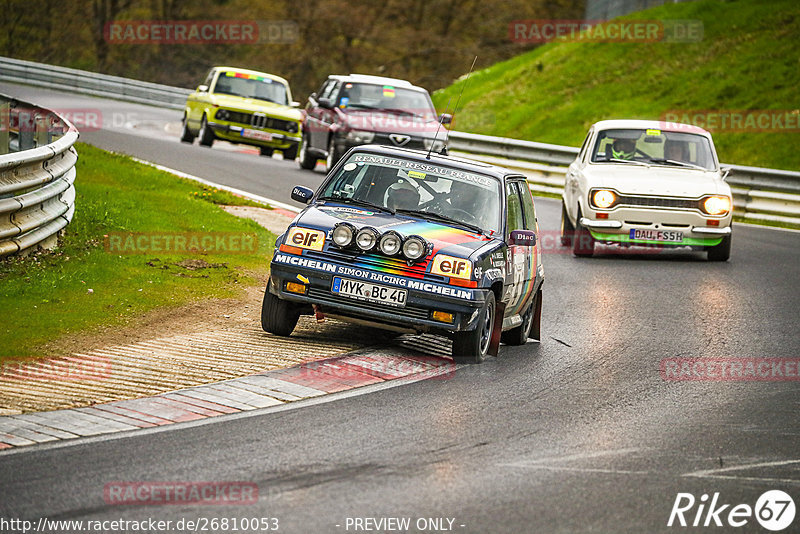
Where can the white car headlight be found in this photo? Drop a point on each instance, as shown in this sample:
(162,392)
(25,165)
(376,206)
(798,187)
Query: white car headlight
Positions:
(360,136)
(437,145)
(603,198)
(716,205)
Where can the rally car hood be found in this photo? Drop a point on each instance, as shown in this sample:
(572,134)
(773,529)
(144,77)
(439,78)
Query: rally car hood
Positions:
(446,239)
(628,178)
(374,120)
(239,103)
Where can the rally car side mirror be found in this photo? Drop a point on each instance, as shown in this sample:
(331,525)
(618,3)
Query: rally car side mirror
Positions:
(302,194)
(525,238)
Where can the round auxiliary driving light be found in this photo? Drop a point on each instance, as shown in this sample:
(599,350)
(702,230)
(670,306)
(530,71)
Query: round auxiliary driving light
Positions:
(390,243)
(367,238)
(343,234)
(415,248)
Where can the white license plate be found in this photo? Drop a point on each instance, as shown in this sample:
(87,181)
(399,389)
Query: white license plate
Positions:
(256,134)
(656,235)
(356,289)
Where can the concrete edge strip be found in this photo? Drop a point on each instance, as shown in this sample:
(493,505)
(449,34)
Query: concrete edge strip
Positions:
(317,381)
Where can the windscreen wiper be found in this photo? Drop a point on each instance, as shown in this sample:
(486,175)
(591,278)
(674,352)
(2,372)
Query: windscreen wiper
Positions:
(615,160)
(357,201)
(679,163)
(442,218)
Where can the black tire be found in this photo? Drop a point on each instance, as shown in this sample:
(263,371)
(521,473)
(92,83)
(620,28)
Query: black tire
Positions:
(186,134)
(531,321)
(720,252)
(472,346)
(266,151)
(333,155)
(307,160)
(278,316)
(583,242)
(290,154)
(205,134)
(567,230)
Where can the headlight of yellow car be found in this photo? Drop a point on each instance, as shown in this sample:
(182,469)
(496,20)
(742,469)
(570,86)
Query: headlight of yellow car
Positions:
(603,198)
(716,205)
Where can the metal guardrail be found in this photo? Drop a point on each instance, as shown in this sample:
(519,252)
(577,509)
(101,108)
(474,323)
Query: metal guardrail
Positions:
(37,175)
(768,195)
(759,194)
(92,83)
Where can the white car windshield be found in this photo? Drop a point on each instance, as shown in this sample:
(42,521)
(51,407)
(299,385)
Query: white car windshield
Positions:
(389,98)
(251,86)
(441,194)
(654,146)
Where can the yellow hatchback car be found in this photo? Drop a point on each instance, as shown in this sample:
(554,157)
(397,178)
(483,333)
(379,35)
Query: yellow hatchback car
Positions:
(244,106)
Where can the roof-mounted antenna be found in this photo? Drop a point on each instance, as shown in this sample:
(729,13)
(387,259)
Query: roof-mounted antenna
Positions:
(439,127)
(466,82)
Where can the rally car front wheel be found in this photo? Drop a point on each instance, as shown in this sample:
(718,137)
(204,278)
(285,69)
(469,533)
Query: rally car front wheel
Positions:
(278,316)
(472,346)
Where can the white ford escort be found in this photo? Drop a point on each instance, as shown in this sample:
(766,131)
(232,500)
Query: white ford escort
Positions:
(649,183)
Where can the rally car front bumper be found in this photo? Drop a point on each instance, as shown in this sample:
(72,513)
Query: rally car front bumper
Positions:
(416,316)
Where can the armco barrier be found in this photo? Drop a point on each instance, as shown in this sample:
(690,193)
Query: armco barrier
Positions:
(37,192)
(92,83)
(767,195)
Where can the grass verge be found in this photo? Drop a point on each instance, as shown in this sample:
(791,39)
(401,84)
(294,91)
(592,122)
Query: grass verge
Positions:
(746,60)
(104,273)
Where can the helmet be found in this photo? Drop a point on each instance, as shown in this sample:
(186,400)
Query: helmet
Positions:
(623,149)
(675,150)
(402,195)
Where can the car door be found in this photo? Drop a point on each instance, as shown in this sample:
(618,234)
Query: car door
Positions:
(317,131)
(327,116)
(518,256)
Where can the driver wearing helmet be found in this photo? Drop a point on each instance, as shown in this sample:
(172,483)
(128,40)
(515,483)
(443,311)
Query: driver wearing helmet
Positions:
(675,150)
(623,149)
(465,197)
(402,195)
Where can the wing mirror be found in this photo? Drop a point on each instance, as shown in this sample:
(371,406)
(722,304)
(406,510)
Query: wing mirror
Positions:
(525,238)
(203,88)
(295,104)
(445,118)
(725,172)
(302,194)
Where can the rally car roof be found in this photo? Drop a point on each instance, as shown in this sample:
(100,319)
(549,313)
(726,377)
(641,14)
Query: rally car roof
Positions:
(438,159)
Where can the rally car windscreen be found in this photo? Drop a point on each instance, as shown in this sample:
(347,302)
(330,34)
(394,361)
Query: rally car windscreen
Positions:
(403,185)
(359,96)
(654,146)
(251,86)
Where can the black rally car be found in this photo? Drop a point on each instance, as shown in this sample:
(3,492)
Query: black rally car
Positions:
(413,242)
